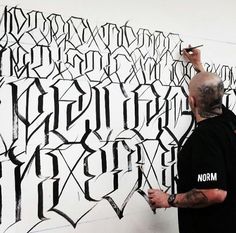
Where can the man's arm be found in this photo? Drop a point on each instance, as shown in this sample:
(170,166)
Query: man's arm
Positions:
(194,57)
(199,198)
(195,198)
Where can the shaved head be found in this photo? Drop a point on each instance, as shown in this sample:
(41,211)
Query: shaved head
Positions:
(206,90)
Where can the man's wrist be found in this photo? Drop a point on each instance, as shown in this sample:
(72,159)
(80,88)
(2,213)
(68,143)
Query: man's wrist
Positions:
(171,200)
(198,67)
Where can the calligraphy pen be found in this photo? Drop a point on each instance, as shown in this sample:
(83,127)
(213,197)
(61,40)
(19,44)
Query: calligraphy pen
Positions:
(190,49)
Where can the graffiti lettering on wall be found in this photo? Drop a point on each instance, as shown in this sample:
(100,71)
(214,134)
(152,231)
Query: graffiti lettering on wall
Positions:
(88,114)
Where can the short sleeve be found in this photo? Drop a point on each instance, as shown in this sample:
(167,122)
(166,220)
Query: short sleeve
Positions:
(208,163)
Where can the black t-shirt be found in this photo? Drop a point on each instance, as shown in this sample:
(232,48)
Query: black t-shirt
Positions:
(208,160)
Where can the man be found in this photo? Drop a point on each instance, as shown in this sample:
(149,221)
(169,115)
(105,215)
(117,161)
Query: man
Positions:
(206,198)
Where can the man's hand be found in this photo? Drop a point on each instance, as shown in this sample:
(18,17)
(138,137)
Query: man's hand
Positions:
(158,199)
(194,57)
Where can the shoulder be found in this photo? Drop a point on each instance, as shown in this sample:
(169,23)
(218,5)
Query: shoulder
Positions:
(209,134)
(204,130)
(229,117)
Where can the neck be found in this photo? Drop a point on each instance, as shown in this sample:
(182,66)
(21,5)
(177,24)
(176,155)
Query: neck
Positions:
(199,118)
(203,117)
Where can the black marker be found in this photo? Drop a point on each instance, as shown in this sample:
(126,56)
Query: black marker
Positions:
(190,49)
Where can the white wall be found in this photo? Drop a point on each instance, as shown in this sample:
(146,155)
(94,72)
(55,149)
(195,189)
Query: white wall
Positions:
(203,22)
(207,19)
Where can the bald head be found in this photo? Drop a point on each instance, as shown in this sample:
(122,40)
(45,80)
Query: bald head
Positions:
(207,90)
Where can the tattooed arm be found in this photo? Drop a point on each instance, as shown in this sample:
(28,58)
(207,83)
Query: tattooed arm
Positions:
(195,198)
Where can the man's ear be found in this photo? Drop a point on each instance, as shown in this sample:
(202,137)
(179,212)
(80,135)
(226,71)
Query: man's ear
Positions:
(192,102)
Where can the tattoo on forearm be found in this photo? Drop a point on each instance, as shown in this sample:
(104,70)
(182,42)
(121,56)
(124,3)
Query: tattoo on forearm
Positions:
(197,70)
(193,199)
(196,198)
